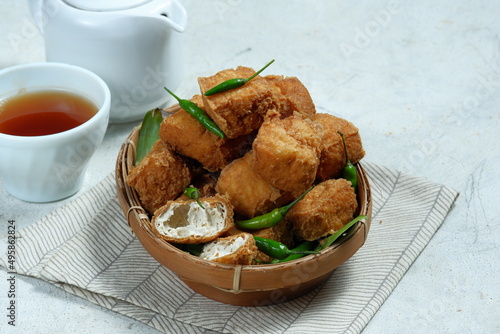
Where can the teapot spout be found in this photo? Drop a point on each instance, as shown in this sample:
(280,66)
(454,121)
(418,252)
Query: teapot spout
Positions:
(171,14)
(177,26)
(44,11)
(36,12)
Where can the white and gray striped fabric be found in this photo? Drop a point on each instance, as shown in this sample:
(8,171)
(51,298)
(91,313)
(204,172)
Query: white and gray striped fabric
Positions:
(86,248)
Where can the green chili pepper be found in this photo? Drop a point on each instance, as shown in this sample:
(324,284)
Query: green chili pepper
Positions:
(305,246)
(193,193)
(331,239)
(148,134)
(234,83)
(276,249)
(199,114)
(193,249)
(349,171)
(261,262)
(269,219)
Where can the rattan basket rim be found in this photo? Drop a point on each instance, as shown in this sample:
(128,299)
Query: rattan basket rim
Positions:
(231,278)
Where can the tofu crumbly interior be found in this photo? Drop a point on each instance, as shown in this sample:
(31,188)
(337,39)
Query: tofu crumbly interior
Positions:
(215,250)
(234,249)
(186,219)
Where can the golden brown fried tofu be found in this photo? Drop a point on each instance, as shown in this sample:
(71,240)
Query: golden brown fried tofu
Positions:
(189,138)
(239,111)
(186,222)
(294,96)
(249,193)
(333,159)
(234,249)
(286,152)
(159,177)
(324,210)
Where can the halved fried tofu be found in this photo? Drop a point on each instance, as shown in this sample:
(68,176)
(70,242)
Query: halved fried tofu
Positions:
(160,176)
(186,222)
(234,249)
(239,111)
(281,232)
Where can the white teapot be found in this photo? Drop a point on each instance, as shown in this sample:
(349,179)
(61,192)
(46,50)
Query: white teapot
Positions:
(134,45)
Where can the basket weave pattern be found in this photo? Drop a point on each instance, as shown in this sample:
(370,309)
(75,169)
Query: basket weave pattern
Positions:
(253,285)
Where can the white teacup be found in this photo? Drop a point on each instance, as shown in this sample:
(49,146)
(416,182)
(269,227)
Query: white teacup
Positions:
(51,167)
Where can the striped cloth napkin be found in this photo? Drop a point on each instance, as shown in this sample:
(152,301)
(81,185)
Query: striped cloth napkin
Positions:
(87,249)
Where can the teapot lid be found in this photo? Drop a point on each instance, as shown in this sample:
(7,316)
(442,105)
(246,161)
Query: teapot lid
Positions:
(105,5)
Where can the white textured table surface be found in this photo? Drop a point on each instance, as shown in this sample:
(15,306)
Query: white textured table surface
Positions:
(420,80)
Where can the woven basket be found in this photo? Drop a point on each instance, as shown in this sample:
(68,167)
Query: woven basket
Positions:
(252,285)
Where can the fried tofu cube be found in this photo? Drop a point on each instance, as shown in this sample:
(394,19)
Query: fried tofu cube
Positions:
(286,152)
(239,111)
(333,159)
(159,177)
(248,192)
(190,138)
(294,96)
(324,210)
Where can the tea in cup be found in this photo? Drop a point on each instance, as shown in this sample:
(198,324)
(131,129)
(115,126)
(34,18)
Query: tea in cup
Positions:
(53,116)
